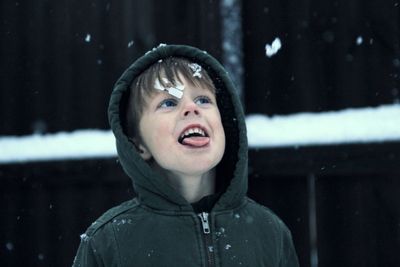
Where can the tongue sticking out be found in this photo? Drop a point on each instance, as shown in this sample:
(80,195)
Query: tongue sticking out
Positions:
(196,141)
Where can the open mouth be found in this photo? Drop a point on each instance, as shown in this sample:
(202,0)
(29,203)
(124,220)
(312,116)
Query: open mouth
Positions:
(194,136)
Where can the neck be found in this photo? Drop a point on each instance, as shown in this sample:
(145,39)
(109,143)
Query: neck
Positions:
(193,187)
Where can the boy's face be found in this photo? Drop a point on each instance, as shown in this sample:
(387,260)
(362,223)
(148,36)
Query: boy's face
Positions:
(184,135)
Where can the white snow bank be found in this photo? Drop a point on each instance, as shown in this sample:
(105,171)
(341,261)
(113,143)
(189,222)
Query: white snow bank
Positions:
(347,126)
(59,146)
(361,125)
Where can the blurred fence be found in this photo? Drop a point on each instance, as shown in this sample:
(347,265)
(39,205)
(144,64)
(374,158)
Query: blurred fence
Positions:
(341,202)
(46,206)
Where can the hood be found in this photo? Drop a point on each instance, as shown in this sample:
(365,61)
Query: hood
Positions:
(152,189)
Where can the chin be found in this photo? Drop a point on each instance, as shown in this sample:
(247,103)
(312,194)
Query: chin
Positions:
(199,168)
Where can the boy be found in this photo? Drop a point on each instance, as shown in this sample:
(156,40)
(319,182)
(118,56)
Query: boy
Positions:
(181,137)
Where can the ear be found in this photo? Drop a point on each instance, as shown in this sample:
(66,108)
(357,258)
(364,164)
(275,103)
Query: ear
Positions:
(141,149)
(144,152)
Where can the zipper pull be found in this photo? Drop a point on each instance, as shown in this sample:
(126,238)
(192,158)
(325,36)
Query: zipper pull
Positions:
(204,221)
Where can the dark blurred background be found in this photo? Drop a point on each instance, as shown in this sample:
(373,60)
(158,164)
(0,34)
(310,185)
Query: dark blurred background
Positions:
(59,60)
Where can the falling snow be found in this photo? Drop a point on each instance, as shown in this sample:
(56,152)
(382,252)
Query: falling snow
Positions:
(9,246)
(272,49)
(88,37)
(359,40)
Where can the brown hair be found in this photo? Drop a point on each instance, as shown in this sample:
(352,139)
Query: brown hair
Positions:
(142,88)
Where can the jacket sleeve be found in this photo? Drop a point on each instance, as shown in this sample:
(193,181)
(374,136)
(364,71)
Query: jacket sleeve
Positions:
(87,255)
(288,256)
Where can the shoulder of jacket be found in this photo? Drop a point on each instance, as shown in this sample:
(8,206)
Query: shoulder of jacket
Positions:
(110,216)
(267,213)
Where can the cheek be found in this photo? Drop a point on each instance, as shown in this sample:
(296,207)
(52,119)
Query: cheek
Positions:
(161,133)
(217,124)
(223,141)
(223,135)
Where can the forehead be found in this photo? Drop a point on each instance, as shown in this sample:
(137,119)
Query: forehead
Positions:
(173,73)
(180,88)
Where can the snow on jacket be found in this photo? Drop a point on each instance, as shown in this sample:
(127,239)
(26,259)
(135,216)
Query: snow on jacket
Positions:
(159,227)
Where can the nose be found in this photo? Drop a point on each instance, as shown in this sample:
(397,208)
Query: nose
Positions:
(190,109)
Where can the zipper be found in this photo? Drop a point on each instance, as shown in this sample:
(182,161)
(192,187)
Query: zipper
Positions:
(205,223)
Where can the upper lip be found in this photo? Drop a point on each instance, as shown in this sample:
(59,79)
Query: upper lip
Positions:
(192,126)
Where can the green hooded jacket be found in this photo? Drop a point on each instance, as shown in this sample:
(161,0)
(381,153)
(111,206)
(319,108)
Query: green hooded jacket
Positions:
(159,227)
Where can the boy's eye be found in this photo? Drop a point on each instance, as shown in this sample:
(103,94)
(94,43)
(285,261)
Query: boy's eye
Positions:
(167,103)
(201,100)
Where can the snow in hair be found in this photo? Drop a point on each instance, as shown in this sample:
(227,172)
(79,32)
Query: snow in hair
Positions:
(196,68)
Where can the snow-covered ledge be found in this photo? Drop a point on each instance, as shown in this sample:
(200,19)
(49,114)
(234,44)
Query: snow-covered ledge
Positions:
(363,125)
(79,144)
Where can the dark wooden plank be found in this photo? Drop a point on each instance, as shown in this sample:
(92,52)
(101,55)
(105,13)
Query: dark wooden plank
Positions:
(327,160)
